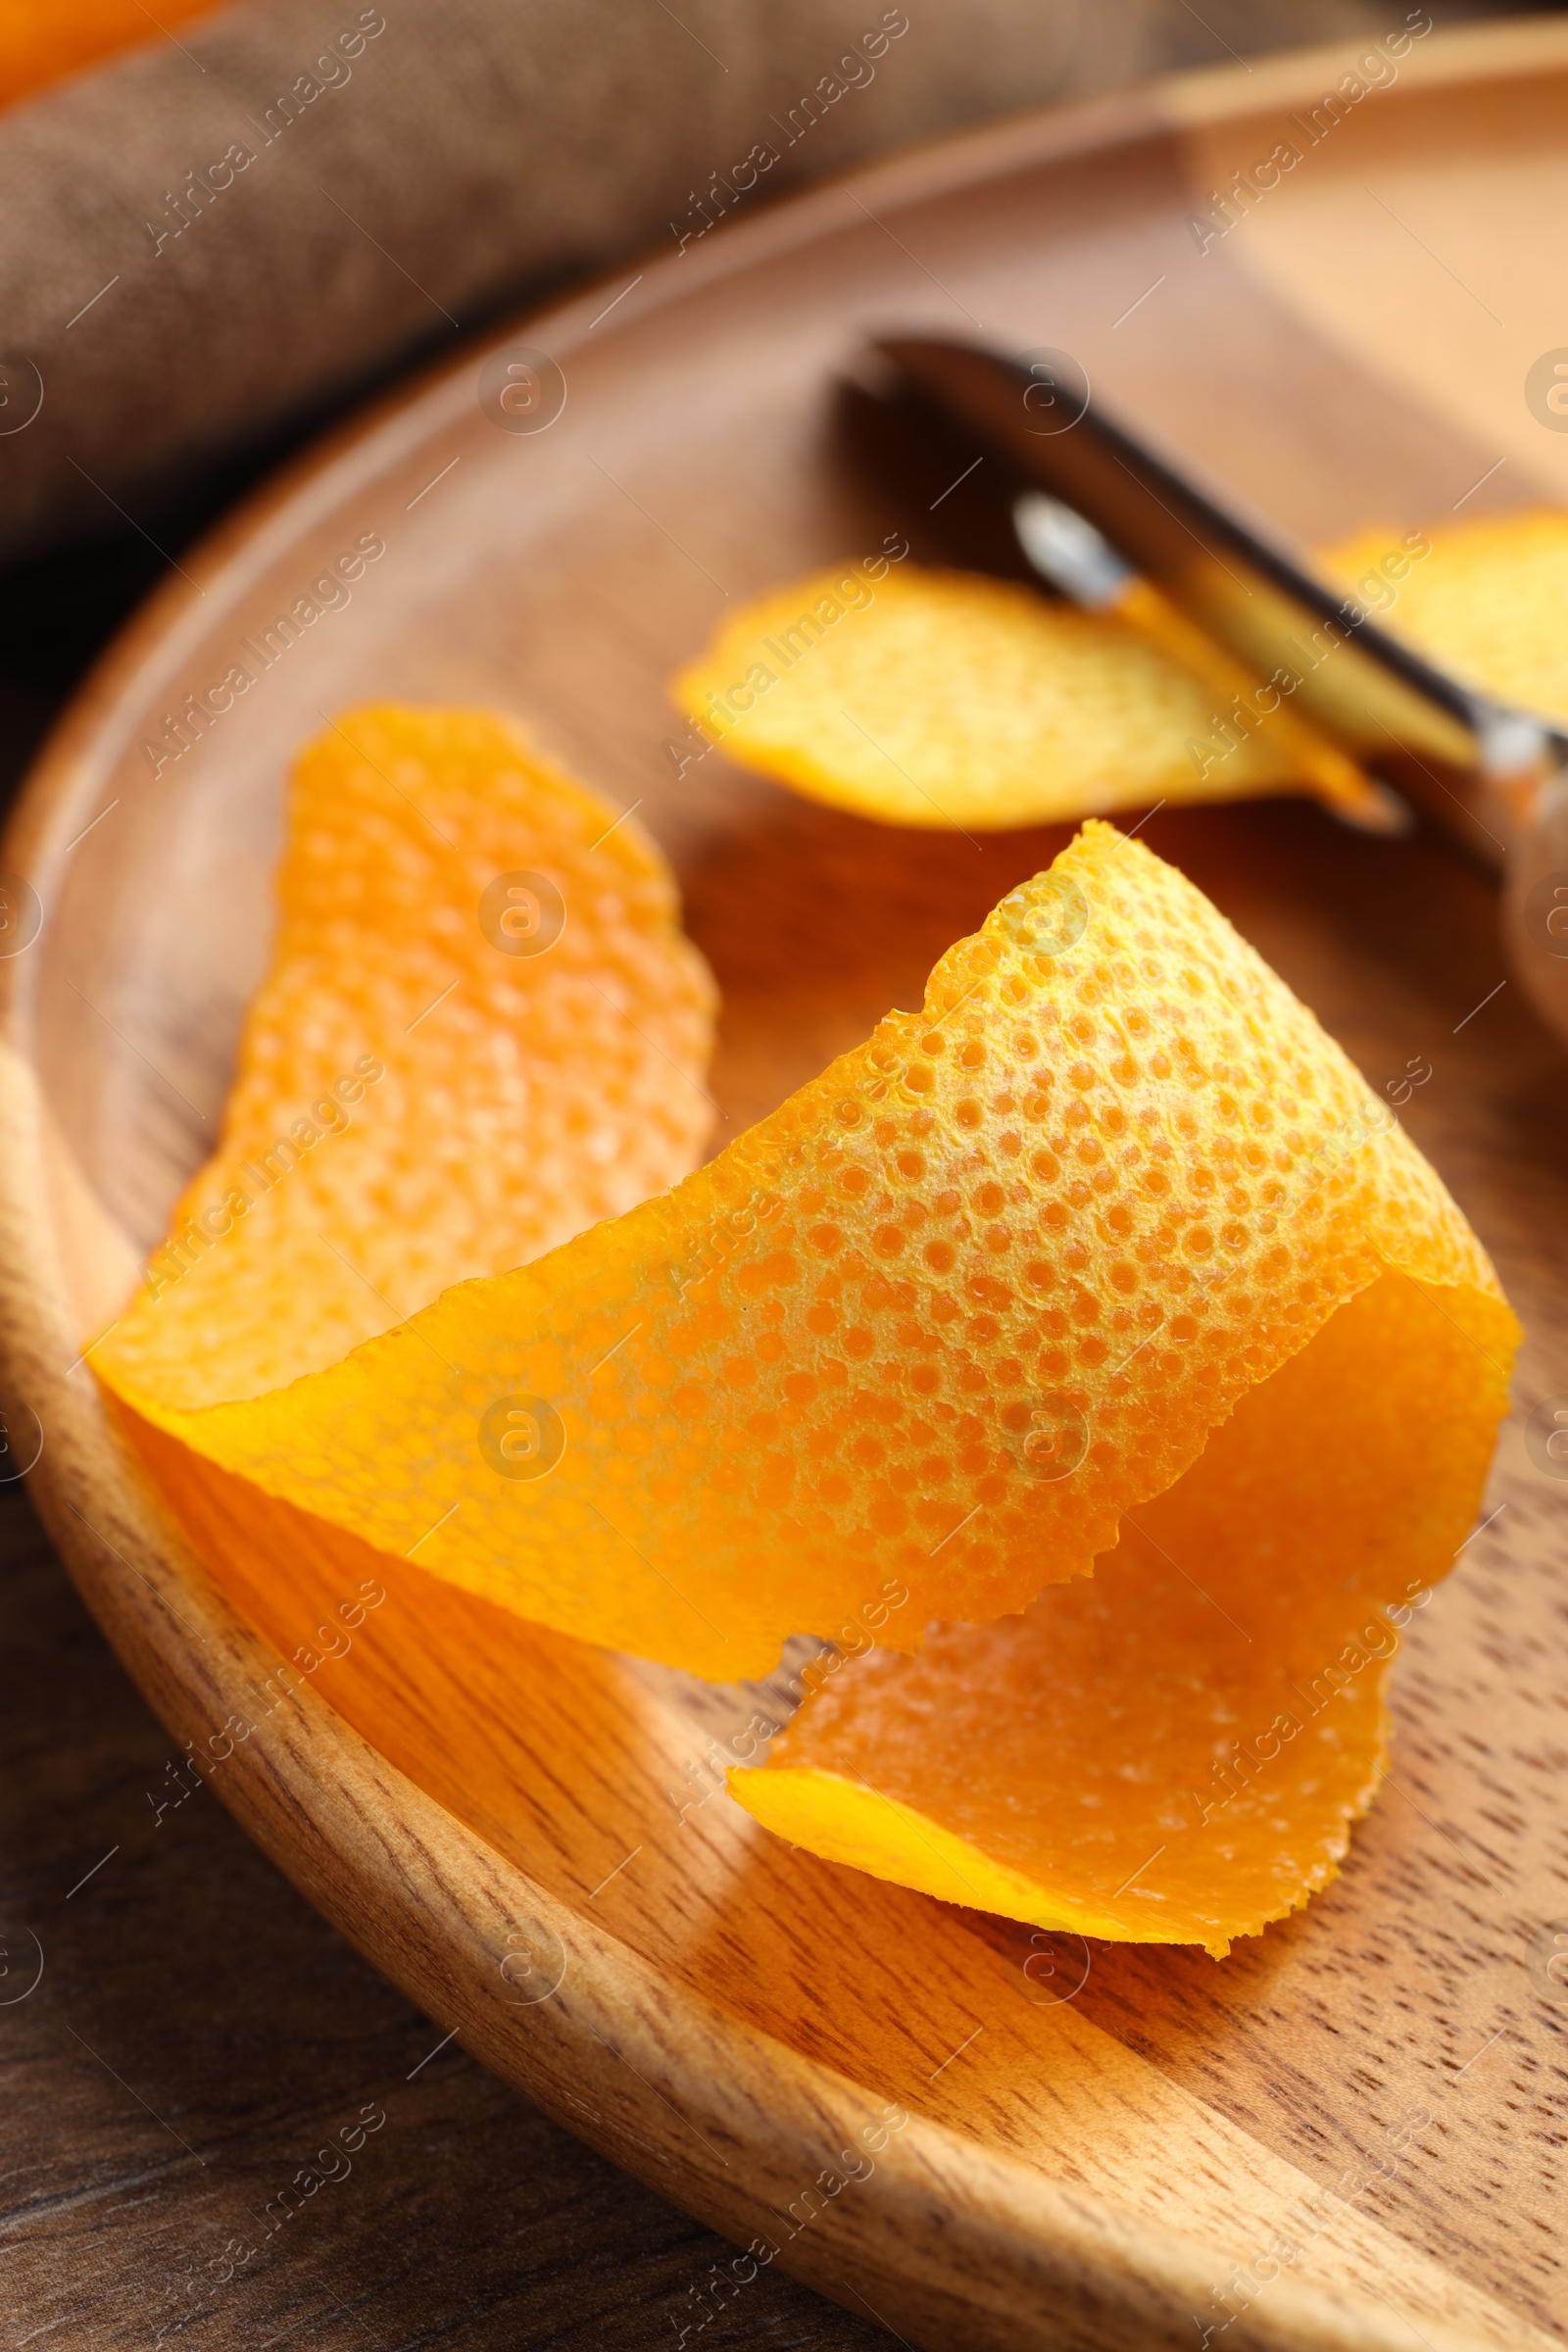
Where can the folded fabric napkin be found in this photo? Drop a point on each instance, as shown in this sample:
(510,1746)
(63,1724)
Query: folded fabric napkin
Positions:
(204,235)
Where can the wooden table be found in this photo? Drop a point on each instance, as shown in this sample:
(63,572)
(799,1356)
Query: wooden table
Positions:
(198,2030)
(198,2026)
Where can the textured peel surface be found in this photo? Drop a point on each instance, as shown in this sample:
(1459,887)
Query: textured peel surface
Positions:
(420,1096)
(1486,603)
(985,1286)
(1175,1751)
(943,699)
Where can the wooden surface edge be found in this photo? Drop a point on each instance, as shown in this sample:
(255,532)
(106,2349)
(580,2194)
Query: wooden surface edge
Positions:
(1028,2242)
(954,2238)
(1485,51)
(370,441)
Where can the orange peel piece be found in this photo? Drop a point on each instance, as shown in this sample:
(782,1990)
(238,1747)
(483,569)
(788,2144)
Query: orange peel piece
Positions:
(1175,1751)
(931,1329)
(1482,599)
(942,698)
(483,1030)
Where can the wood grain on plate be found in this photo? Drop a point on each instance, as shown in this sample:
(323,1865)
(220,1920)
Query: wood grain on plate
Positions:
(527,1834)
(185,1966)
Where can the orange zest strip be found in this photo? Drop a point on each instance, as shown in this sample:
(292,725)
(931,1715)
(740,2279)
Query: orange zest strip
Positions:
(940,699)
(937,1324)
(483,1031)
(1175,1751)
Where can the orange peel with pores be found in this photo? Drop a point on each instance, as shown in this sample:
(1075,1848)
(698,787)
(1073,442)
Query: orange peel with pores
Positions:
(483,1030)
(934,1328)
(942,698)
(1174,1752)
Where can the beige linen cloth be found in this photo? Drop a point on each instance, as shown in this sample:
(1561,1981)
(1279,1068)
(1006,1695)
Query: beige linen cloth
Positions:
(212,234)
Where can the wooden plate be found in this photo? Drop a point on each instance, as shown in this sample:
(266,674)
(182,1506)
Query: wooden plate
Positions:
(527,1834)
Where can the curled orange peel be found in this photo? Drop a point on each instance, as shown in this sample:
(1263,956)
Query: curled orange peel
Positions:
(931,1330)
(942,698)
(1175,1751)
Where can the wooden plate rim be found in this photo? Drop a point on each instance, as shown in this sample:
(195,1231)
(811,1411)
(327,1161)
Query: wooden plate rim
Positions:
(435,1906)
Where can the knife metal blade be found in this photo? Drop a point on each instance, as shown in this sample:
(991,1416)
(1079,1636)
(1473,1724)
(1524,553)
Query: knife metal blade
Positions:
(1103,504)
(1096,506)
